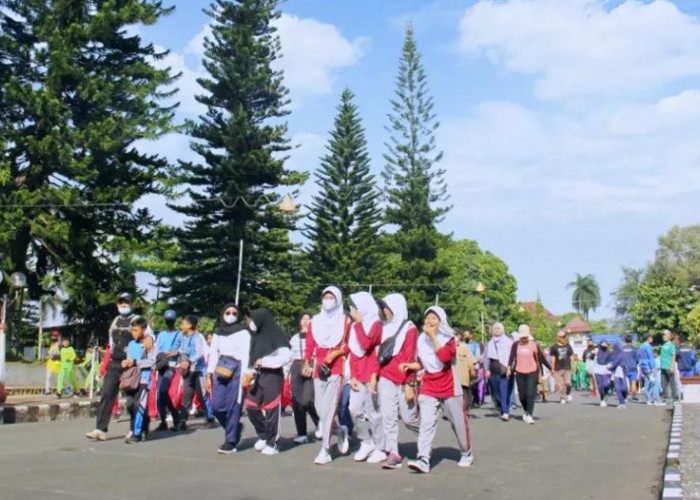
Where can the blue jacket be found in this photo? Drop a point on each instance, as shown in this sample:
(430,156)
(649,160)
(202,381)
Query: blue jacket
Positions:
(618,359)
(193,349)
(630,357)
(145,361)
(687,357)
(646,358)
(169,341)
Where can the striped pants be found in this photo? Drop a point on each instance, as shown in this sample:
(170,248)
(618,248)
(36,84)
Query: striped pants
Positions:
(454,411)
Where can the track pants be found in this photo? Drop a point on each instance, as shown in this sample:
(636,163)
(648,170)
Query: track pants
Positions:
(108,395)
(164,402)
(621,389)
(193,385)
(226,405)
(392,403)
(67,372)
(364,409)
(137,405)
(264,404)
(326,394)
(527,390)
(603,383)
(454,411)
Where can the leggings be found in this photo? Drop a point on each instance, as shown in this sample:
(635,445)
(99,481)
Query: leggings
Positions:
(621,389)
(527,390)
(668,380)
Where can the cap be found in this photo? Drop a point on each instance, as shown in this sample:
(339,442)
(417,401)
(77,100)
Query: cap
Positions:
(561,333)
(125,297)
(170,314)
(55,334)
(523,330)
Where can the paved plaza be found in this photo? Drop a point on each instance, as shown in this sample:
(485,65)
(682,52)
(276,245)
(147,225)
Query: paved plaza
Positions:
(577,451)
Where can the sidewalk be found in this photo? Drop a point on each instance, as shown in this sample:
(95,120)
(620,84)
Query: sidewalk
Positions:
(37,408)
(690,451)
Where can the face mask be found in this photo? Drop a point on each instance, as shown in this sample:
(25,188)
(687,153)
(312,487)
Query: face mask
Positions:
(230,319)
(328,304)
(252,326)
(604,348)
(124,310)
(170,324)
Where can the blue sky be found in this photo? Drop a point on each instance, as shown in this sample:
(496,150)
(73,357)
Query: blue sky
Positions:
(570,128)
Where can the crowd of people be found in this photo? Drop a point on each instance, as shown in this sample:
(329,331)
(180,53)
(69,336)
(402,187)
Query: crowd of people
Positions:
(357,372)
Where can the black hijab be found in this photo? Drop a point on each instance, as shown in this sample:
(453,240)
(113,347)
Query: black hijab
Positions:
(224,329)
(269,335)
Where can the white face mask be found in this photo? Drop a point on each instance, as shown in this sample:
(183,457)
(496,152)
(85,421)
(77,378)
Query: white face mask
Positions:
(252,326)
(328,304)
(124,310)
(230,319)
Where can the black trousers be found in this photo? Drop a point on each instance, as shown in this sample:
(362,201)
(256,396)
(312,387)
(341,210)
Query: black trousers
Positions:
(264,404)
(300,413)
(108,393)
(302,398)
(193,385)
(527,390)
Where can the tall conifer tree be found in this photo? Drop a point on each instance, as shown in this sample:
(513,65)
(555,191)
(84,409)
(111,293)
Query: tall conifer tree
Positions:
(345,216)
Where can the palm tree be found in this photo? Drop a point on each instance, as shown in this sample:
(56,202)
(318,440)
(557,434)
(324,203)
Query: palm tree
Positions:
(586,296)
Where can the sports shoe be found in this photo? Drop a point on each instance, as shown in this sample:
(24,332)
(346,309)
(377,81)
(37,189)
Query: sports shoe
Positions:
(393,462)
(603,404)
(97,435)
(505,417)
(162,427)
(377,457)
(270,450)
(466,461)
(260,445)
(525,417)
(226,449)
(621,407)
(129,434)
(301,439)
(569,398)
(421,465)
(649,403)
(132,439)
(364,452)
(183,426)
(563,401)
(343,440)
(323,457)
(318,434)
(530,420)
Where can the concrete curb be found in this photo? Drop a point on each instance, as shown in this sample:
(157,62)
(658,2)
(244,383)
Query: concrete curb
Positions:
(47,412)
(672,484)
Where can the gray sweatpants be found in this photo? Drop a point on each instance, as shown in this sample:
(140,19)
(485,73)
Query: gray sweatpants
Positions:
(364,410)
(326,393)
(392,402)
(454,411)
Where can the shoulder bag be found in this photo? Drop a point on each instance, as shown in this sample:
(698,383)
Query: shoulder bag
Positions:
(386,348)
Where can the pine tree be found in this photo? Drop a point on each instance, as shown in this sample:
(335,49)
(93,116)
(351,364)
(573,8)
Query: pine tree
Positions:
(416,193)
(77,92)
(344,216)
(234,190)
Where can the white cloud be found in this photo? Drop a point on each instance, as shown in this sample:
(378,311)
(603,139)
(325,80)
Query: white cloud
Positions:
(583,48)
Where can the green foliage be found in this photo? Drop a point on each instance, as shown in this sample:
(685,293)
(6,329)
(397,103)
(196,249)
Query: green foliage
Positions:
(692,325)
(542,328)
(663,302)
(586,295)
(678,255)
(626,295)
(234,189)
(344,216)
(77,92)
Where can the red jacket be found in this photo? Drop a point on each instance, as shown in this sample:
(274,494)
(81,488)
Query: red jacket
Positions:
(441,384)
(363,368)
(390,371)
(314,351)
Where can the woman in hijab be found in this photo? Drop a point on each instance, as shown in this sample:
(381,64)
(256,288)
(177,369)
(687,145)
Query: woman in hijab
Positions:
(302,383)
(269,353)
(365,336)
(440,386)
(526,361)
(326,346)
(228,363)
(620,374)
(396,386)
(601,371)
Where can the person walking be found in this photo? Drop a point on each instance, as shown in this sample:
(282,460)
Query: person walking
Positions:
(561,354)
(302,383)
(525,362)
(495,359)
(668,368)
(269,353)
(325,343)
(619,370)
(53,361)
(650,374)
(588,358)
(67,370)
(478,385)
(140,353)
(168,345)
(396,387)
(440,388)
(365,335)
(119,338)
(192,365)
(466,368)
(602,371)
(630,360)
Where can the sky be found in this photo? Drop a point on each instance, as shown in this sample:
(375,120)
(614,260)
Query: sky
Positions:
(569,128)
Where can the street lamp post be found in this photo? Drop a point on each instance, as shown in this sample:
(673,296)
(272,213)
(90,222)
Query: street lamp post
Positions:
(17,281)
(480,289)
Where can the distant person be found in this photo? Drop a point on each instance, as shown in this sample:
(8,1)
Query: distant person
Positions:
(619,370)
(495,358)
(302,384)
(168,344)
(687,357)
(140,353)
(466,368)
(67,370)
(650,372)
(478,384)
(630,360)
(53,361)
(602,372)
(561,354)
(192,366)
(667,362)
(589,360)
(526,362)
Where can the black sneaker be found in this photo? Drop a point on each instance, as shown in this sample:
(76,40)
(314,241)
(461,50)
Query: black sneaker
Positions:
(132,439)
(226,449)
(162,427)
(183,426)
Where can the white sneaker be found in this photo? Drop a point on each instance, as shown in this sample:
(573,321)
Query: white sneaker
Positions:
(621,407)
(530,420)
(377,457)
(270,450)
(563,401)
(301,439)
(505,417)
(649,403)
(421,465)
(569,398)
(466,461)
(525,417)
(603,404)
(318,434)
(323,457)
(260,445)
(193,411)
(343,440)
(364,452)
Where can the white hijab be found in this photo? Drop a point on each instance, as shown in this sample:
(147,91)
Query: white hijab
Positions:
(397,304)
(328,327)
(426,349)
(369,312)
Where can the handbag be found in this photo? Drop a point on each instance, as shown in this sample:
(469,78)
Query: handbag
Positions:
(324,371)
(130,379)
(161,362)
(495,366)
(225,368)
(386,348)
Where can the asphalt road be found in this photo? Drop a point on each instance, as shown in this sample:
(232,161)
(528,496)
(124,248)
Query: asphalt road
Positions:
(577,451)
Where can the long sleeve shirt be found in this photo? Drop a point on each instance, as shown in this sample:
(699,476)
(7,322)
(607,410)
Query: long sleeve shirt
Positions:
(236,346)
(391,371)
(144,359)
(646,357)
(630,357)
(687,357)
(315,351)
(277,359)
(192,348)
(298,346)
(363,368)
(169,340)
(497,348)
(68,356)
(441,385)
